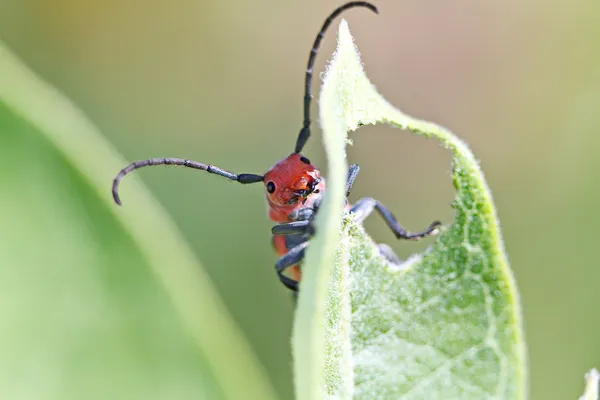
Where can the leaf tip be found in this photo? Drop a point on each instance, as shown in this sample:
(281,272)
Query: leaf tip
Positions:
(344,31)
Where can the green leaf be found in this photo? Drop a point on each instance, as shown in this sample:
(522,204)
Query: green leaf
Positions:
(446,323)
(98,302)
(591,385)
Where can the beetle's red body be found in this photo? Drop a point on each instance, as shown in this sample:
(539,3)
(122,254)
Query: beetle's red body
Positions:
(290,176)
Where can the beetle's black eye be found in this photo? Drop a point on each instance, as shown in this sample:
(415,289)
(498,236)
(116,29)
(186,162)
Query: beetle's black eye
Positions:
(270,187)
(305,160)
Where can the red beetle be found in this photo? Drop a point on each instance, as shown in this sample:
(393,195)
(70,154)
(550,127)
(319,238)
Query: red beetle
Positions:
(295,188)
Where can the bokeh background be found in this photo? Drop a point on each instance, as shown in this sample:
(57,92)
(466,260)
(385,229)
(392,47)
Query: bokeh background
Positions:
(221,82)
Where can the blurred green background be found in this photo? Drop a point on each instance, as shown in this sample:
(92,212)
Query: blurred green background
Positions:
(221,82)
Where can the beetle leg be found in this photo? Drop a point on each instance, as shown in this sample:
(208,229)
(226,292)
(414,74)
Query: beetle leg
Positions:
(302,214)
(352,174)
(387,253)
(364,207)
(293,228)
(291,258)
(289,283)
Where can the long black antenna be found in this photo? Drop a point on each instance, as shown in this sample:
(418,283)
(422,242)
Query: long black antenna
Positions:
(305,131)
(241,178)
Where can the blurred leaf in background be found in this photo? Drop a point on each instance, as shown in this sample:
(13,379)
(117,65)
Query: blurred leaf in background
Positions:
(83,287)
(221,82)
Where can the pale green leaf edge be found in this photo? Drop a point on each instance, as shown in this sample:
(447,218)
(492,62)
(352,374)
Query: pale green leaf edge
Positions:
(592,380)
(159,240)
(340,112)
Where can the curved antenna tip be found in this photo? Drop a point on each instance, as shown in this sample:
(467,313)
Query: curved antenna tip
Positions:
(372,7)
(116,198)
(368,5)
